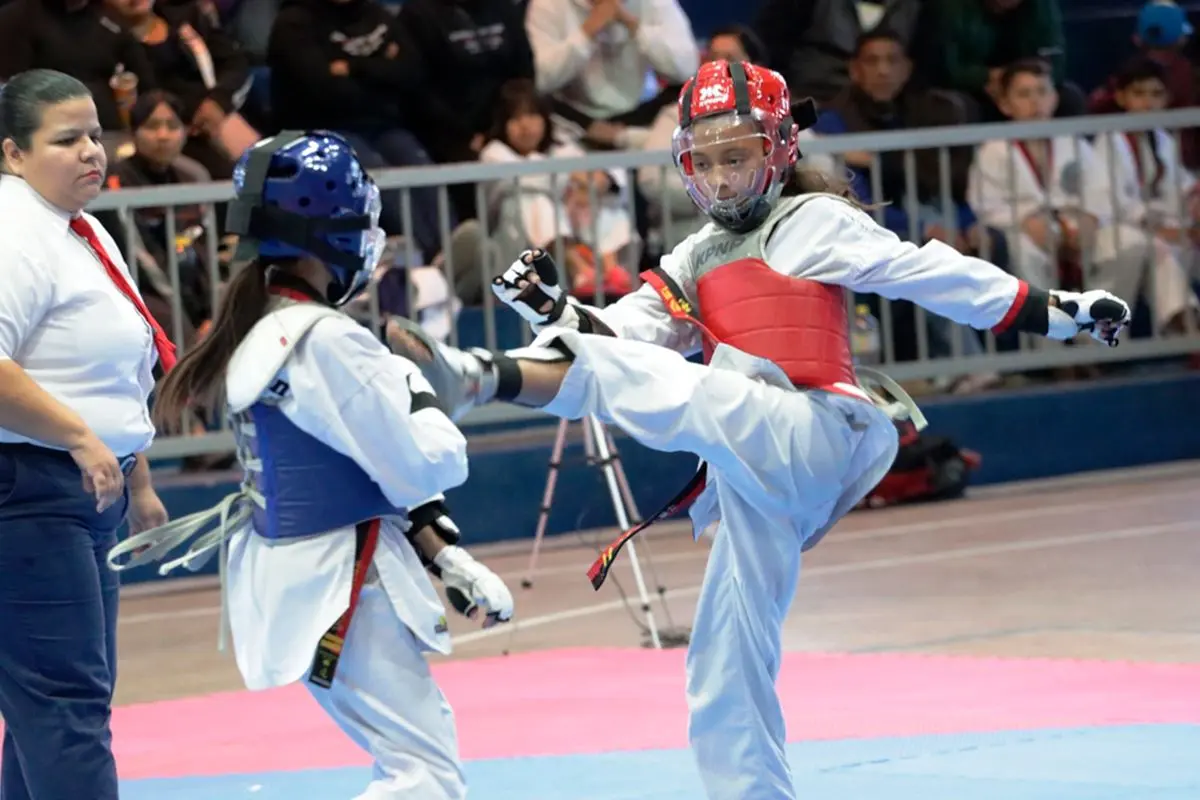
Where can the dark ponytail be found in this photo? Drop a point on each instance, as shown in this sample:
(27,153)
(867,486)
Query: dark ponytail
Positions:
(198,381)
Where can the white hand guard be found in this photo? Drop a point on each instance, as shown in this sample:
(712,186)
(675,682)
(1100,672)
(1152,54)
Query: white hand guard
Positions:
(541,302)
(1100,313)
(470,586)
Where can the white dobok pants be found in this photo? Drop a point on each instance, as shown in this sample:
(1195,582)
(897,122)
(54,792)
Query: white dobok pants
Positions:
(783,465)
(385,699)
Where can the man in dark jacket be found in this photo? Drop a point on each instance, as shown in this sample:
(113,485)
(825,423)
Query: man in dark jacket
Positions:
(880,98)
(470,49)
(810,42)
(345,65)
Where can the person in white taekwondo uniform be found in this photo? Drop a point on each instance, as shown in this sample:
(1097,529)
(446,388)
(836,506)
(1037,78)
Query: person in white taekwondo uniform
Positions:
(339,519)
(1156,193)
(788,438)
(1061,205)
(77,352)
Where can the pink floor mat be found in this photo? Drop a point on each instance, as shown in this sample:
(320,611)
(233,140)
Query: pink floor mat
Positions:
(595,700)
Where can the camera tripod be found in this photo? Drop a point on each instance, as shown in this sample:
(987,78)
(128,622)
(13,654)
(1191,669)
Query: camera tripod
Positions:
(601,450)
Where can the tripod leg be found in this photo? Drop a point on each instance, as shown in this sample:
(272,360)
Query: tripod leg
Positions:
(547,501)
(627,496)
(626,492)
(600,441)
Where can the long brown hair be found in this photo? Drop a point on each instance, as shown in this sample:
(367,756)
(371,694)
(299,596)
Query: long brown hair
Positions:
(520,96)
(810,180)
(198,381)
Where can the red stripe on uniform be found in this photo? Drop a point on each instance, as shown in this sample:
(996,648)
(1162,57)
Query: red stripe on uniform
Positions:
(1015,309)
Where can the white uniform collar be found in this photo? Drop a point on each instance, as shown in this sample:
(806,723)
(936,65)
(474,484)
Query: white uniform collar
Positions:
(13,186)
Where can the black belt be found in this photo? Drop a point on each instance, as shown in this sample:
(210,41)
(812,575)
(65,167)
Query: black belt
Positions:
(127,463)
(329,649)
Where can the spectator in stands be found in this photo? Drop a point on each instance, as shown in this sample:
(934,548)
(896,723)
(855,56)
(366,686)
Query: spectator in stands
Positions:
(470,48)
(592,58)
(75,37)
(1155,191)
(1162,34)
(811,43)
(539,211)
(528,212)
(346,66)
(1054,200)
(600,240)
(880,98)
(160,136)
(204,69)
(965,45)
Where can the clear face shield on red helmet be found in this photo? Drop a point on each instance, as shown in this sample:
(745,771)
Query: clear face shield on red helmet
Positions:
(734,166)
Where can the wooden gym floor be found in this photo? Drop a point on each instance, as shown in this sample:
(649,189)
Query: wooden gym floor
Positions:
(1102,566)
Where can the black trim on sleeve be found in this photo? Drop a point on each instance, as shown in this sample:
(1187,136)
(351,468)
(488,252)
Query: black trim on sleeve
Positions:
(421,401)
(508,377)
(1029,313)
(421,516)
(590,323)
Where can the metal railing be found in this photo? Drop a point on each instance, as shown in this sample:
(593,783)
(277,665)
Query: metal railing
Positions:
(517,182)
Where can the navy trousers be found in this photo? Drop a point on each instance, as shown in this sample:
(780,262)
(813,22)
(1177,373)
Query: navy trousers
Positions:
(58,625)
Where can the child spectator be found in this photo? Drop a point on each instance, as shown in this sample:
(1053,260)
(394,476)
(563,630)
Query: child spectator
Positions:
(1054,199)
(589,213)
(160,137)
(1155,192)
(1162,34)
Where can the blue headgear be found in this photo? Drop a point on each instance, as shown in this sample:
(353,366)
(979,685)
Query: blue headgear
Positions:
(305,193)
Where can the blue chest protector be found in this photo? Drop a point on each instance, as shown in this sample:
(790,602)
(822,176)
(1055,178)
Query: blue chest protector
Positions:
(294,484)
(301,486)
(297,485)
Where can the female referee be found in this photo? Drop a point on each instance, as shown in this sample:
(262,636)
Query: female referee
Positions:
(345,457)
(76,352)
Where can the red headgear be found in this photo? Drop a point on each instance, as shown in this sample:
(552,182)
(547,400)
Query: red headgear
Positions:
(738,93)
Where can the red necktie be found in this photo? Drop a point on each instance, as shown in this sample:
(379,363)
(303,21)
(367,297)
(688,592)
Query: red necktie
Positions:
(166,350)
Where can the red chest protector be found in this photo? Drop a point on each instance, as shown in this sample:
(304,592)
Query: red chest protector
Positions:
(798,324)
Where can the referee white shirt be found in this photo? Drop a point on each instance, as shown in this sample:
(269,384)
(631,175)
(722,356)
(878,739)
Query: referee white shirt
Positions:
(65,322)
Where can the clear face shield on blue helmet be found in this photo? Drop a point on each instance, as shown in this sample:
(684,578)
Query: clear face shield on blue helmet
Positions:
(371,246)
